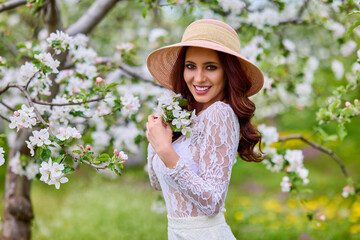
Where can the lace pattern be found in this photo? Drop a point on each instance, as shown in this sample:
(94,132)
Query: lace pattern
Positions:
(198,184)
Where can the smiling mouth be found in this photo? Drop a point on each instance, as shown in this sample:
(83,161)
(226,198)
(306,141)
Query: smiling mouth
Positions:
(201,90)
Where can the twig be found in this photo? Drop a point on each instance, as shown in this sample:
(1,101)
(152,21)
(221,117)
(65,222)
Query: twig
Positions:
(11,5)
(7,87)
(134,74)
(320,148)
(338,119)
(5,118)
(7,106)
(66,104)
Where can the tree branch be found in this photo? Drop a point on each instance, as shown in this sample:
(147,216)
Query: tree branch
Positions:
(96,12)
(12,4)
(7,106)
(66,104)
(133,73)
(320,148)
(5,118)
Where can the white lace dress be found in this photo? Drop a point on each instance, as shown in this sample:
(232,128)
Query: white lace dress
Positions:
(195,189)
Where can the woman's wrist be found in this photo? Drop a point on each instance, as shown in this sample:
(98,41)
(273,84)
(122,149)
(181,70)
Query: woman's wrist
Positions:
(168,155)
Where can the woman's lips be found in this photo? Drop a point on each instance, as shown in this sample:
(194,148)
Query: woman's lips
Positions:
(201,90)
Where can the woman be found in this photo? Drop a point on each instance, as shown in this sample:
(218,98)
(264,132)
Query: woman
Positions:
(194,173)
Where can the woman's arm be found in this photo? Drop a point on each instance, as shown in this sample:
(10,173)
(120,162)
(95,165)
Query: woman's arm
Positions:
(216,152)
(154,181)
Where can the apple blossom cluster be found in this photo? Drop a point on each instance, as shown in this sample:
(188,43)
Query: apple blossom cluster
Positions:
(130,104)
(23,118)
(18,167)
(47,60)
(67,133)
(291,162)
(52,173)
(39,138)
(2,159)
(59,41)
(170,109)
(348,191)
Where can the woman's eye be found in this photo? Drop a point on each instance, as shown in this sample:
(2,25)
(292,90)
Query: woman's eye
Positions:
(189,66)
(211,67)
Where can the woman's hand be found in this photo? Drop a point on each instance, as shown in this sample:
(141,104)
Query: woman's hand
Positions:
(159,134)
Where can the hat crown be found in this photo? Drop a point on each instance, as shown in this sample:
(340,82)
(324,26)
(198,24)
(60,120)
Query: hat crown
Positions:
(213,31)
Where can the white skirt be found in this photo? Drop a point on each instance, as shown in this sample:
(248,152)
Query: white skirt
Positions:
(199,228)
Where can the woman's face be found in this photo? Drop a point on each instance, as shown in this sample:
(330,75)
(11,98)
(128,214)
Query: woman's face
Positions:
(204,75)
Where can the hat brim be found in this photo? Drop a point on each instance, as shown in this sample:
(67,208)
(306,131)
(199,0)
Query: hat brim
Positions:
(161,61)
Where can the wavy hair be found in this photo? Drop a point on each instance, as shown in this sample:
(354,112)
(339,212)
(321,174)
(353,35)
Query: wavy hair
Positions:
(236,88)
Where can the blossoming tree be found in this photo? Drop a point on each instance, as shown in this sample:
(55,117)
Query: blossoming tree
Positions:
(62,104)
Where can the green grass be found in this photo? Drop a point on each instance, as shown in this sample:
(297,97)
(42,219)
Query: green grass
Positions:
(91,206)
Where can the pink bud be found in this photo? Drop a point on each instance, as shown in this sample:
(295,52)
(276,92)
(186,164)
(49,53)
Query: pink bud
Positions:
(118,154)
(346,189)
(20,126)
(29,5)
(81,146)
(99,108)
(99,79)
(123,161)
(88,147)
(322,218)
(131,105)
(287,169)
(356,100)
(16,113)
(347,104)
(84,152)
(96,83)
(67,71)
(73,92)
(115,150)
(109,64)
(99,60)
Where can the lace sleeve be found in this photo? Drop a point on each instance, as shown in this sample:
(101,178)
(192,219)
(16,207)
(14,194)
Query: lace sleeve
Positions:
(153,178)
(216,152)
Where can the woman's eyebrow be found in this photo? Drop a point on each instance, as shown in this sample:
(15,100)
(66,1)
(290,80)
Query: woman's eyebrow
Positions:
(206,63)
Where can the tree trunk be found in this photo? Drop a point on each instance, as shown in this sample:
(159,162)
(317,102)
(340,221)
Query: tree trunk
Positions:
(18,211)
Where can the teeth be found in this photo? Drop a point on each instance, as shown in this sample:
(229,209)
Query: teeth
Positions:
(201,88)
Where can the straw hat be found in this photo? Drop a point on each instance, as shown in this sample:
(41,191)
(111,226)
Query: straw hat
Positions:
(206,33)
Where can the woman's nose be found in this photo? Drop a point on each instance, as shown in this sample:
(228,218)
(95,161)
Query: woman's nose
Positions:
(199,76)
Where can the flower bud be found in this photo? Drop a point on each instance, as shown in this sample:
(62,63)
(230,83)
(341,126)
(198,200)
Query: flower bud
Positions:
(123,161)
(81,146)
(347,104)
(118,154)
(98,60)
(115,150)
(16,113)
(84,152)
(356,100)
(29,5)
(88,147)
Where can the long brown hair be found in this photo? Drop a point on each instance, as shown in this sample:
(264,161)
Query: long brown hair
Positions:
(236,87)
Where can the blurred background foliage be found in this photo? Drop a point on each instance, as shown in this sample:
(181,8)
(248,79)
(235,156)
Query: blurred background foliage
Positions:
(94,206)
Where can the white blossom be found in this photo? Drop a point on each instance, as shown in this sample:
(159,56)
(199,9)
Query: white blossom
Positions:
(295,159)
(156,33)
(16,166)
(31,170)
(285,184)
(51,173)
(27,71)
(338,69)
(234,6)
(269,134)
(348,48)
(2,159)
(62,37)
(79,40)
(130,104)
(40,138)
(66,133)
(46,59)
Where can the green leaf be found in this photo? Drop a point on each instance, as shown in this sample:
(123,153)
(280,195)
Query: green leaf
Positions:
(341,131)
(353,26)
(68,169)
(59,158)
(111,85)
(104,155)
(183,102)
(46,154)
(99,159)
(144,12)
(77,151)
